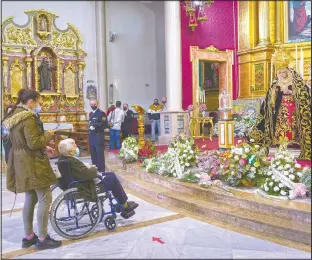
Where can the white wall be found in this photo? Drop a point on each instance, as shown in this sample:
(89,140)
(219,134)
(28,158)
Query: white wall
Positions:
(137,56)
(79,13)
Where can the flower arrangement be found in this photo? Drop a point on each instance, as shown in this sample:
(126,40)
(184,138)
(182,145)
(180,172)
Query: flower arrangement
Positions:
(190,108)
(244,165)
(242,124)
(211,163)
(202,107)
(181,156)
(283,175)
(148,150)
(129,149)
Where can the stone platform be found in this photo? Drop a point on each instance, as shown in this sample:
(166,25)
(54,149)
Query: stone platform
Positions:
(285,222)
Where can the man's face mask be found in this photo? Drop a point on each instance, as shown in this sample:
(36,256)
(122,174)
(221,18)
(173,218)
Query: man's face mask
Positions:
(94,107)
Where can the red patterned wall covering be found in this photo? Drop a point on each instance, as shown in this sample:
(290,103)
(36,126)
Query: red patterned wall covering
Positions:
(218,31)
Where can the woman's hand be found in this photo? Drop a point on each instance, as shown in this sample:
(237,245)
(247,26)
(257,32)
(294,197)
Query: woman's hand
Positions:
(50,151)
(51,132)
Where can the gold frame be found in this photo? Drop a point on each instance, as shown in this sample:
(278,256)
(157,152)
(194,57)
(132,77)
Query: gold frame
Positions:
(214,55)
(285,26)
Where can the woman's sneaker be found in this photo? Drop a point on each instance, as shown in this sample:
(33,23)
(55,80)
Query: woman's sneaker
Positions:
(29,242)
(48,243)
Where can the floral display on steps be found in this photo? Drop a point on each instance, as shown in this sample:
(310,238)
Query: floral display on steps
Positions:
(181,155)
(147,151)
(129,149)
(282,177)
(244,165)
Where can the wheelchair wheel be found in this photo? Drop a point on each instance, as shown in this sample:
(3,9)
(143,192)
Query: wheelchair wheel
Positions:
(73,217)
(110,223)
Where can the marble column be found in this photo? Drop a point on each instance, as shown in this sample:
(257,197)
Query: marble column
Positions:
(173,55)
(174,120)
(100,29)
(264,23)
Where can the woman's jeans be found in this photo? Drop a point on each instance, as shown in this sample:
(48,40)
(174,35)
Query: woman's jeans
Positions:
(44,197)
(113,184)
(114,136)
(155,123)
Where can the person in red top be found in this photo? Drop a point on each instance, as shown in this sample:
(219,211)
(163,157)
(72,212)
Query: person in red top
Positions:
(110,109)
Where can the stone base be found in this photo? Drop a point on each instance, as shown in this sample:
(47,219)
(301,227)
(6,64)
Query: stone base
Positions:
(171,124)
(295,151)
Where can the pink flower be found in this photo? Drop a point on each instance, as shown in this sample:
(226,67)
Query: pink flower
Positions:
(190,108)
(204,177)
(299,191)
(202,107)
(242,161)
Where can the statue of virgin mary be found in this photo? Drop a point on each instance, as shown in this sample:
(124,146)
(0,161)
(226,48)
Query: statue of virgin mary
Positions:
(285,114)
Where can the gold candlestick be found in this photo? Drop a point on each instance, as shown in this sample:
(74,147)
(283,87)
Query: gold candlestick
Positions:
(141,126)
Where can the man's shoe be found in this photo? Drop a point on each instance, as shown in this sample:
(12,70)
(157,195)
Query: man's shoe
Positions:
(29,242)
(132,205)
(48,243)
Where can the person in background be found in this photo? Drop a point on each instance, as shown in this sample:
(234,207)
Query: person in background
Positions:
(110,109)
(127,123)
(115,120)
(154,115)
(97,124)
(29,170)
(164,103)
(80,171)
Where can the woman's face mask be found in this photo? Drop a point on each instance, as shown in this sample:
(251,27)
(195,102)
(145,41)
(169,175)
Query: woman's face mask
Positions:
(77,153)
(37,110)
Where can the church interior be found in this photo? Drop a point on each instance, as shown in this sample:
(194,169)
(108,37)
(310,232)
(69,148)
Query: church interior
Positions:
(217,150)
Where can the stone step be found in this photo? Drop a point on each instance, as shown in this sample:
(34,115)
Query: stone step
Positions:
(287,209)
(263,223)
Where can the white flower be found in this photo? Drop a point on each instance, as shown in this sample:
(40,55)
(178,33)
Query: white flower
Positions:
(292,177)
(271,184)
(287,166)
(276,188)
(281,185)
(247,150)
(253,169)
(269,173)
(236,158)
(297,165)
(279,168)
(251,140)
(278,163)
(197,175)
(299,174)
(257,146)
(291,170)
(274,165)
(283,193)
(286,173)
(191,151)
(187,164)
(266,188)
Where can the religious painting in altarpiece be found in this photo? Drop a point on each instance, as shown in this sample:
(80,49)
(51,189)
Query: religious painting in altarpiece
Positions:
(38,55)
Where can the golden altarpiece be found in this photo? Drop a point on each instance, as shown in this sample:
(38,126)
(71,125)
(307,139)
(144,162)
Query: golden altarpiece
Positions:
(40,56)
(264,26)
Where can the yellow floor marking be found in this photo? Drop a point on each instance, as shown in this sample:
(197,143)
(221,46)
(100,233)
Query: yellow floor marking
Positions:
(9,211)
(98,234)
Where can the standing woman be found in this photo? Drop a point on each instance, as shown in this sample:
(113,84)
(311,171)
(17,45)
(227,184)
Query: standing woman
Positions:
(29,169)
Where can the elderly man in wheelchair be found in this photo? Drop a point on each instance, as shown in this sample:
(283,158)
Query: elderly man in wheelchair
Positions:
(88,197)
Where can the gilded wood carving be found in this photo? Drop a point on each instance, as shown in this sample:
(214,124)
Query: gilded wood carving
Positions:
(40,56)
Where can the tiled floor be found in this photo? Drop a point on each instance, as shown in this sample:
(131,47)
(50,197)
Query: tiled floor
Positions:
(183,238)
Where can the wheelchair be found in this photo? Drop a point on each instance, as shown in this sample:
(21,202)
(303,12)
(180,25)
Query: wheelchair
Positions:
(72,216)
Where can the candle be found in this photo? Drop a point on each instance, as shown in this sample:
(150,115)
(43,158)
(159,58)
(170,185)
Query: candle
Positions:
(301,63)
(296,58)
(204,96)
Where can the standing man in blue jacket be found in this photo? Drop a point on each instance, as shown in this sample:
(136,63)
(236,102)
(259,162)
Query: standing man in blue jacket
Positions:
(97,124)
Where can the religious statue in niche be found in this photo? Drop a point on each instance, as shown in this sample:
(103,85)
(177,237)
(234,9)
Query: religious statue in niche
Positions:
(210,76)
(91,90)
(45,74)
(285,114)
(43,27)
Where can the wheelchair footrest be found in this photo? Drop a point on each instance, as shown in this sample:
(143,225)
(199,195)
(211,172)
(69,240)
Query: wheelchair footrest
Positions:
(128,214)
